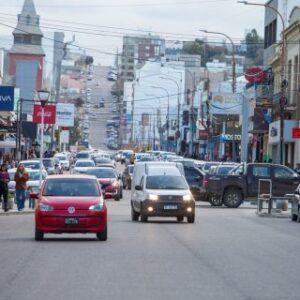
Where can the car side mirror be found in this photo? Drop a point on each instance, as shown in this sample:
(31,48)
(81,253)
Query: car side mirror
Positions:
(34,195)
(138,188)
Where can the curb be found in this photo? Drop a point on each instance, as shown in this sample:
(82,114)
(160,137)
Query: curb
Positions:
(14,213)
(273,215)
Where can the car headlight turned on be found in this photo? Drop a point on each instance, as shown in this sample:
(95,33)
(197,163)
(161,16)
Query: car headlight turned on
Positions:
(115,183)
(96,207)
(153,197)
(187,197)
(45,207)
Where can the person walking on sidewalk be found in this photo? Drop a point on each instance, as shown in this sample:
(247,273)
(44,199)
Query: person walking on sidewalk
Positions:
(21,178)
(4,179)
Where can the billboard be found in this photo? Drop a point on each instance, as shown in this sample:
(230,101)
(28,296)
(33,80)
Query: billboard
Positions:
(226,104)
(49,114)
(26,78)
(65,114)
(6,98)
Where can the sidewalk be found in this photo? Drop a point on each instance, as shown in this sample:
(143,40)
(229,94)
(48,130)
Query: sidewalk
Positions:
(14,211)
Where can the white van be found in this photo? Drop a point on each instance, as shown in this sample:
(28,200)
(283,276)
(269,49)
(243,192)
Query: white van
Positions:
(160,189)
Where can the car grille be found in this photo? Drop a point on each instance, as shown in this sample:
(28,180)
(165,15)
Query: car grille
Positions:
(168,198)
(104,186)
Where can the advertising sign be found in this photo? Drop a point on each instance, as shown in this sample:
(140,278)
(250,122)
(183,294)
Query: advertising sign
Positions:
(296,133)
(64,136)
(6,98)
(65,113)
(226,104)
(49,114)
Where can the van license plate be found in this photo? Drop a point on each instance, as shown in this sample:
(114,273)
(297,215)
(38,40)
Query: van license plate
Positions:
(170,207)
(71,221)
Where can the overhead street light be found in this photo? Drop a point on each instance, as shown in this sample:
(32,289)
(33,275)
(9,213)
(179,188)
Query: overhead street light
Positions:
(43,97)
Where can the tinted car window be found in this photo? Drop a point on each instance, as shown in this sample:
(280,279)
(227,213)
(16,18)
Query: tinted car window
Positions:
(84,164)
(31,165)
(82,155)
(48,163)
(280,172)
(261,171)
(71,188)
(35,175)
(166,182)
(102,173)
(224,170)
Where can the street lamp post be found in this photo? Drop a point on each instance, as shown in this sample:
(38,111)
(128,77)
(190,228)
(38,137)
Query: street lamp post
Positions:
(168,111)
(282,73)
(43,97)
(171,78)
(233,81)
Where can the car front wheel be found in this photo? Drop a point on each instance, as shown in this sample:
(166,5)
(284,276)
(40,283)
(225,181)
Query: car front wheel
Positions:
(102,236)
(134,215)
(233,198)
(39,236)
(191,218)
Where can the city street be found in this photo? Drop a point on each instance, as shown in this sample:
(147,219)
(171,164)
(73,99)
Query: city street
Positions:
(226,254)
(101,87)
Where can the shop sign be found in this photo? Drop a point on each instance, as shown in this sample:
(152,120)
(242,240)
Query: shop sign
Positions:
(6,98)
(296,133)
(231,137)
(65,114)
(226,104)
(49,114)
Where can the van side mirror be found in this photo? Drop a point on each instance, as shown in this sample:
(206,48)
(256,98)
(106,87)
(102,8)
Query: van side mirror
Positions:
(138,188)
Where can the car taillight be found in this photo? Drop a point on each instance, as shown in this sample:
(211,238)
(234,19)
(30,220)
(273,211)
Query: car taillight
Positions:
(205,182)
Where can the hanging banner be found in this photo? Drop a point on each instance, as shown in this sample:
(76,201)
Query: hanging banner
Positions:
(226,104)
(65,113)
(6,98)
(49,114)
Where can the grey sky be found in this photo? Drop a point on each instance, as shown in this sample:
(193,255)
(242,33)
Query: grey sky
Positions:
(177,18)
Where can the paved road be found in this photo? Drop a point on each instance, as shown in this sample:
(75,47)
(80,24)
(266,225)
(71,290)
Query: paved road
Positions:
(101,87)
(227,254)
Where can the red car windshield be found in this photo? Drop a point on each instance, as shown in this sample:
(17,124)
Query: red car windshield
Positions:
(71,188)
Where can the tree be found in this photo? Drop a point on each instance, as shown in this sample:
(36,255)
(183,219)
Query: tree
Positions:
(79,102)
(254,44)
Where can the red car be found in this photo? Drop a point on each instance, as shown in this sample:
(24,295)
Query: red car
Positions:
(110,181)
(70,204)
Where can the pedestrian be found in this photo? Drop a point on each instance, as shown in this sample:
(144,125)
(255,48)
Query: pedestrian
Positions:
(21,178)
(4,179)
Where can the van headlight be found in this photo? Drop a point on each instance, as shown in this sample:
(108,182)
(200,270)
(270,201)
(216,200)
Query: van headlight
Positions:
(153,197)
(187,197)
(96,207)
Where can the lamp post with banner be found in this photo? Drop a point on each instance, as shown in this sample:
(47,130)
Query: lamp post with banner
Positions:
(43,97)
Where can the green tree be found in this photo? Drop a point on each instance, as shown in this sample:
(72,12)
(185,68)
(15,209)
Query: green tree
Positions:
(254,44)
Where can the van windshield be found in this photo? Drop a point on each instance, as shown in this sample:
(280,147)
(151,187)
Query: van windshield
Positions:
(166,182)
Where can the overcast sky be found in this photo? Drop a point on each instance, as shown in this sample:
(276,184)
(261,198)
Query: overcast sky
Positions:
(173,19)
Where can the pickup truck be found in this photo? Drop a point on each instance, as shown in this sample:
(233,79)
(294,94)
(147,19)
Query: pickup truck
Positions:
(242,183)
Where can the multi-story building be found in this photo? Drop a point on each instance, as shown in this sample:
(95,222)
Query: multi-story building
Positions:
(137,50)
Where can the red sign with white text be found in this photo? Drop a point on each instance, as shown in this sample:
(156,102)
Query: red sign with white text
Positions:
(296,133)
(49,114)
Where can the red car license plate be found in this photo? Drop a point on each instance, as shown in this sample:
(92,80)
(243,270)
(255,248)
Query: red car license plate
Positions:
(71,221)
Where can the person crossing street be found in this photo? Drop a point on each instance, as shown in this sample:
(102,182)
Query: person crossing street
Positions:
(4,179)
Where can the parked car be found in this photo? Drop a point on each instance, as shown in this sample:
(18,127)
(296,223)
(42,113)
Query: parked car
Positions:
(70,204)
(160,189)
(110,181)
(241,184)
(208,164)
(100,161)
(127,176)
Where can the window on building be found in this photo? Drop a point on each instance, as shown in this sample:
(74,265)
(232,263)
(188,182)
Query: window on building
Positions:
(27,39)
(270,34)
(295,79)
(28,20)
(289,78)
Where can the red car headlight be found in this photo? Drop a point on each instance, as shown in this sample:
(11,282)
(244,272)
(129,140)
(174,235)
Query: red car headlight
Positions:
(96,207)
(45,207)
